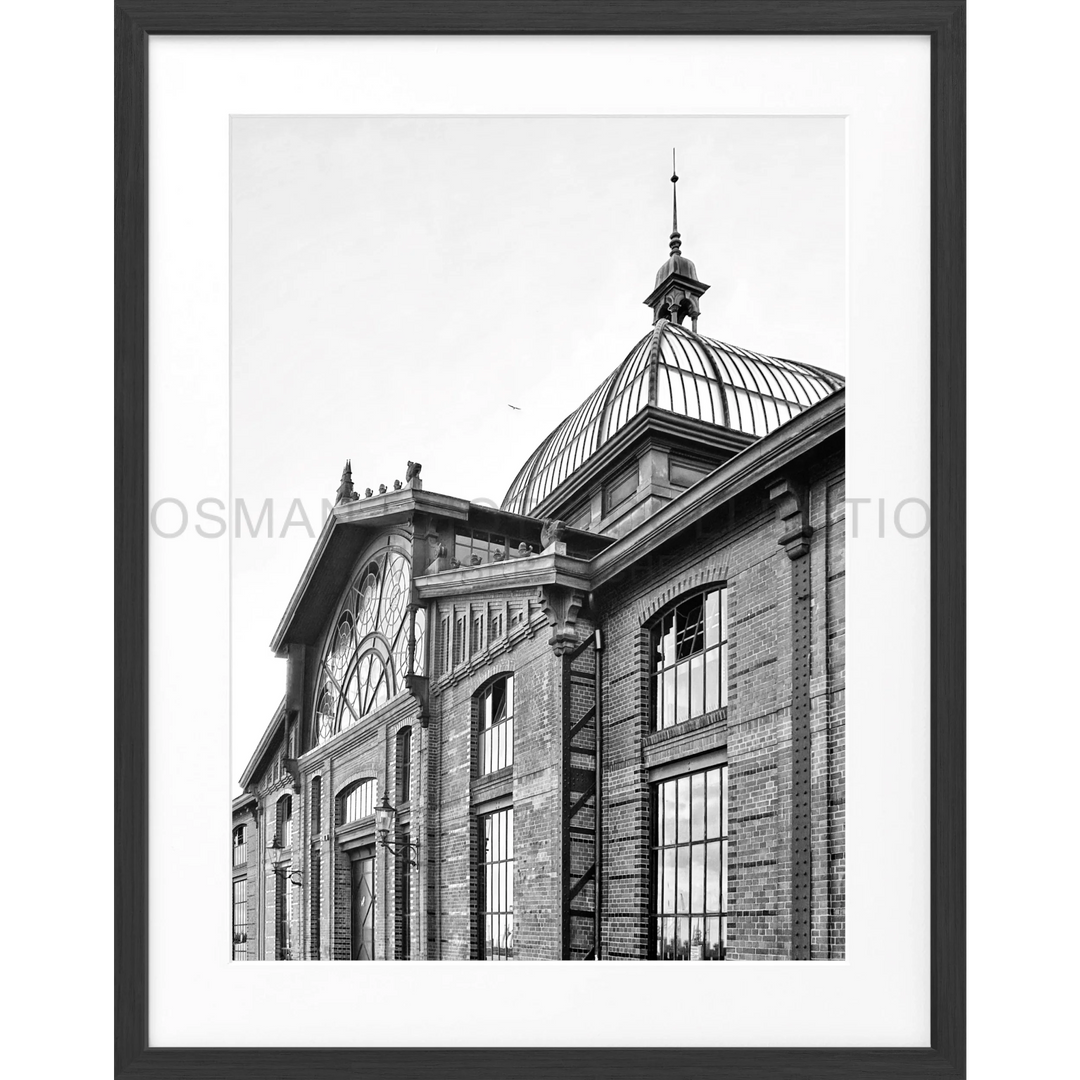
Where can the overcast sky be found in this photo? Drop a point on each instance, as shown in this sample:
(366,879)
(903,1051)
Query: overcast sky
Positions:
(399,282)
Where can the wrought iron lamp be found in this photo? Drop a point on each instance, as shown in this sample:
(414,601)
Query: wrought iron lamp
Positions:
(282,868)
(384,824)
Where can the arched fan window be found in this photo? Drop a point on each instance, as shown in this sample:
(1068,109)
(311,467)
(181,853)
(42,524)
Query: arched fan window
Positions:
(366,657)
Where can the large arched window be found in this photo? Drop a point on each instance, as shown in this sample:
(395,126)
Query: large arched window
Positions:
(689,658)
(366,657)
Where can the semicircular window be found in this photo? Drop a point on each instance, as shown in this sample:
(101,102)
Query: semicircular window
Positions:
(366,656)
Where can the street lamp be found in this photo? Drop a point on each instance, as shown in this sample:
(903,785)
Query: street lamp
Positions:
(281,868)
(384,823)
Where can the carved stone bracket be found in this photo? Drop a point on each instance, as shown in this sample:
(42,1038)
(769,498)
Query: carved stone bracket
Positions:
(561,605)
(792,502)
(438,558)
(418,687)
(292,767)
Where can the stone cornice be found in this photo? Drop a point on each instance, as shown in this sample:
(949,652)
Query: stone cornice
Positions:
(532,571)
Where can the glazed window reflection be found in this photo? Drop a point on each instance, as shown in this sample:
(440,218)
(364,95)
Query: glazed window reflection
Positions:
(690,657)
(497,726)
(239,927)
(689,880)
(497,885)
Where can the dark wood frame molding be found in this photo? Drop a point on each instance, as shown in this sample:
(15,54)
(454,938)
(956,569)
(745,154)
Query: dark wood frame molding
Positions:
(944,22)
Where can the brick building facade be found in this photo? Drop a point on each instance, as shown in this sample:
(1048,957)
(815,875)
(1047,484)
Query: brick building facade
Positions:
(605,720)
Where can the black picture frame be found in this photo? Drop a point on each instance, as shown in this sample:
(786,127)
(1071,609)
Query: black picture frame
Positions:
(943,21)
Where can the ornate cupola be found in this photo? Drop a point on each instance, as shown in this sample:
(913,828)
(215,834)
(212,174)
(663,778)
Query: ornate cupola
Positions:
(677,286)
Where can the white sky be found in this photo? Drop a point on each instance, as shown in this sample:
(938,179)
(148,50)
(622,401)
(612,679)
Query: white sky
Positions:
(398,282)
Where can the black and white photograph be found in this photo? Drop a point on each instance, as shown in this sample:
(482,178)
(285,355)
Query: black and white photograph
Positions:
(538,569)
(512,563)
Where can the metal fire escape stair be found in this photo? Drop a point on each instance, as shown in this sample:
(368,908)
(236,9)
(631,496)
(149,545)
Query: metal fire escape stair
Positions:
(581,811)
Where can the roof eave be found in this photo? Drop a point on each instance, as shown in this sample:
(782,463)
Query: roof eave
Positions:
(753,465)
(273,730)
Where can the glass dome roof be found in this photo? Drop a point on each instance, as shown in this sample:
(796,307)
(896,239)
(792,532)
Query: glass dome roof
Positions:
(683,372)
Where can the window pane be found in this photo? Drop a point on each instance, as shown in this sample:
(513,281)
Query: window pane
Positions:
(697,877)
(712,680)
(723,614)
(667,646)
(670,790)
(723,675)
(697,685)
(682,691)
(712,794)
(723,875)
(682,938)
(684,809)
(697,939)
(697,806)
(724,800)
(712,939)
(712,618)
(669,881)
(682,889)
(669,698)
(712,877)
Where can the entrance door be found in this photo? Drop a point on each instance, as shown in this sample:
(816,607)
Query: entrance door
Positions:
(363,908)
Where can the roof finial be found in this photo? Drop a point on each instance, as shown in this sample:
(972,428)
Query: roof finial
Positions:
(676,239)
(345,492)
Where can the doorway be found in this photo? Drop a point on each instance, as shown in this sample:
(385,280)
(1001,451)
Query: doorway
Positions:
(363,906)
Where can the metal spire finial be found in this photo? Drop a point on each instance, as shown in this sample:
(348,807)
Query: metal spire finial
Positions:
(676,240)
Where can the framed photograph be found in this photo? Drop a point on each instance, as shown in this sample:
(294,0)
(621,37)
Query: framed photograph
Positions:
(501,573)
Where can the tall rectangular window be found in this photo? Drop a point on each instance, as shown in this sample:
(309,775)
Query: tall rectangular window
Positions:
(239,919)
(284,821)
(689,879)
(404,896)
(497,726)
(403,768)
(497,885)
(315,875)
(689,665)
(315,871)
(283,890)
(239,845)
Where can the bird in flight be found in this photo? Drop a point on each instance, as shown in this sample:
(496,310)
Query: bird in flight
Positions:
(516,408)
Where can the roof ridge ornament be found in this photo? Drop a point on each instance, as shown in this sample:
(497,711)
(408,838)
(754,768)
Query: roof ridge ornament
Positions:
(678,288)
(676,239)
(345,492)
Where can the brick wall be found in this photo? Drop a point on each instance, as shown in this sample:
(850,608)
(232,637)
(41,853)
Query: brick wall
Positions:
(533,788)
(737,545)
